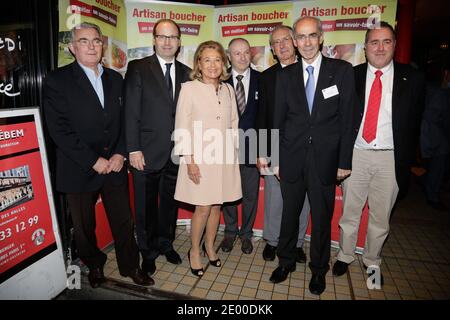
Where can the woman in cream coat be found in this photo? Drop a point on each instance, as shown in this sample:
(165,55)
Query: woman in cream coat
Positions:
(206,137)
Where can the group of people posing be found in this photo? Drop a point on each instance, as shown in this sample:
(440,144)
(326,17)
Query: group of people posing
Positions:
(336,124)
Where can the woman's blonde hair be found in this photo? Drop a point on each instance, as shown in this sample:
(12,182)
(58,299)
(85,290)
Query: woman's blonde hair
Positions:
(196,73)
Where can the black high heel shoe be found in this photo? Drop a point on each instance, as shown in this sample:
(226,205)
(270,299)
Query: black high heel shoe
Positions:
(214,263)
(195,272)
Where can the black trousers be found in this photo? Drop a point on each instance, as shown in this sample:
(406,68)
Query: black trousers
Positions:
(321,199)
(117,206)
(250,189)
(155,220)
(434,179)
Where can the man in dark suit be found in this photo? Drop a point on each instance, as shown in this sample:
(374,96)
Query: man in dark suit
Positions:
(387,121)
(314,106)
(152,87)
(245,81)
(83,109)
(435,139)
(282,45)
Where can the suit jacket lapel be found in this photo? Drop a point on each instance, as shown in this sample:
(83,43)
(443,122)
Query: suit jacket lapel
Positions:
(155,68)
(398,90)
(106,81)
(251,89)
(360,80)
(83,81)
(300,82)
(178,79)
(324,81)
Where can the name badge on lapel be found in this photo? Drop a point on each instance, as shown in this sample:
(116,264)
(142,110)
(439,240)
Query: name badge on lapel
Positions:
(330,92)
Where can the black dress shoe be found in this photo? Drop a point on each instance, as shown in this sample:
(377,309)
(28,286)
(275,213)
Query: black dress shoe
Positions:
(173,257)
(149,266)
(317,284)
(281,273)
(269,252)
(196,272)
(339,268)
(227,244)
(246,246)
(141,278)
(96,277)
(301,256)
(215,263)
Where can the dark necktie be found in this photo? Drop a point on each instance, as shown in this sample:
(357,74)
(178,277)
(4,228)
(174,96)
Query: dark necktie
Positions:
(169,80)
(373,109)
(240,94)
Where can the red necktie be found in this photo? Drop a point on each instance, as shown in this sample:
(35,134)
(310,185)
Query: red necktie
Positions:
(373,109)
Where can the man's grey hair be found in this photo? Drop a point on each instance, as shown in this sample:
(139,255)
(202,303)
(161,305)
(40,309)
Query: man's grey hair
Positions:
(84,25)
(319,23)
(280,27)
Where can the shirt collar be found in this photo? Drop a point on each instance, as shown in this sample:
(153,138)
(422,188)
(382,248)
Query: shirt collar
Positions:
(163,62)
(285,65)
(91,72)
(245,73)
(316,63)
(385,69)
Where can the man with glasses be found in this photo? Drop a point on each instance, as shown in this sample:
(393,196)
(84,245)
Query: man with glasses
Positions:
(315,99)
(84,114)
(387,121)
(282,45)
(152,87)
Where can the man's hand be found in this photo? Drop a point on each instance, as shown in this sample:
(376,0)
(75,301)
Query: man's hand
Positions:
(115,163)
(276,172)
(342,174)
(101,166)
(263,166)
(137,160)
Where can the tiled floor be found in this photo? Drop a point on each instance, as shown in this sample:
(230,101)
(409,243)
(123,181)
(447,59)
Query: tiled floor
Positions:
(416,265)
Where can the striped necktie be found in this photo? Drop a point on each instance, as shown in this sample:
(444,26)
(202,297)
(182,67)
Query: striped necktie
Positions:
(240,94)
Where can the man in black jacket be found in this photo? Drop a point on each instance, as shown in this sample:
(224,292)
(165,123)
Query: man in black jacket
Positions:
(152,88)
(281,42)
(245,81)
(315,99)
(84,113)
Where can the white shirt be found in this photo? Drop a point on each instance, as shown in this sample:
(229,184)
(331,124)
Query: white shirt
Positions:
(96,81)
(163,62)
(384,138)
(245,81)
(316,64)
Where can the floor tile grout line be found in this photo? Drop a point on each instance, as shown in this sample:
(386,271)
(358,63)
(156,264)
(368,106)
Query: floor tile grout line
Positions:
(350,285)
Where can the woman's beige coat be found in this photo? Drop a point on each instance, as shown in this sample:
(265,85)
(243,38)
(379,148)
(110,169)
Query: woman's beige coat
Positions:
(206,126)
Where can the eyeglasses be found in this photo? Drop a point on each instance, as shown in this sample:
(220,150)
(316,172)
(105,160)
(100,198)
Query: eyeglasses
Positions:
(161,37)
(376,43)
(303,37)
(86,42)
(281,41)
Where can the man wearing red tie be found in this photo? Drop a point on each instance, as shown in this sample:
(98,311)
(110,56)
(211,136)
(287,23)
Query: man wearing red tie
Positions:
(387,123)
